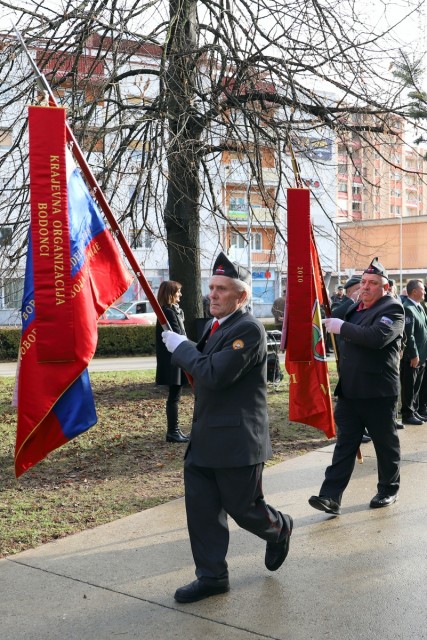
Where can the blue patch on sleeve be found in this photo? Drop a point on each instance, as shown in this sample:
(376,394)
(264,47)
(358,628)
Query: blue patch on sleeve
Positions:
(387,321)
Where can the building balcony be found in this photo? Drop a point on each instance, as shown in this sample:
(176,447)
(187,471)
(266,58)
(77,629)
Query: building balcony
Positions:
(263,257)
(239,213)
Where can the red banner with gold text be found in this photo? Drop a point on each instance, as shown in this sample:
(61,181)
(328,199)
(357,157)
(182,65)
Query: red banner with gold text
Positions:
(50,236)
(300,281)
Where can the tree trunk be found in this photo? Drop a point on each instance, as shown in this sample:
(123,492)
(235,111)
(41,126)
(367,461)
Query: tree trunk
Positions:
(182,212)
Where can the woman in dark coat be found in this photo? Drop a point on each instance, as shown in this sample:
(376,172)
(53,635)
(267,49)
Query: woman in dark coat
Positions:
(169,295)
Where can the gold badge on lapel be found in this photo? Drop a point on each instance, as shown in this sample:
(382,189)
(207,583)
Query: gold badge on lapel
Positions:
(238,344)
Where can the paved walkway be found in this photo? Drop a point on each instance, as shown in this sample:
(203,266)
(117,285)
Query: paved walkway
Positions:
(362,575)
(99,364)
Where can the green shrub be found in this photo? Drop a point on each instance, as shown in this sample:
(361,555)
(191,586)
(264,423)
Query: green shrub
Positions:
(9,343)
(129,340)
(113,341)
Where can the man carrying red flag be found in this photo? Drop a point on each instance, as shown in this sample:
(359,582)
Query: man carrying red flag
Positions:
(367,390)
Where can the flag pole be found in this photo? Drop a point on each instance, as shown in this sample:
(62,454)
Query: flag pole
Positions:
(44,86)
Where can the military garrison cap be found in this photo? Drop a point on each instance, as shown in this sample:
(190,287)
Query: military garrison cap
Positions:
(377,268)
(225,267)
(352,281)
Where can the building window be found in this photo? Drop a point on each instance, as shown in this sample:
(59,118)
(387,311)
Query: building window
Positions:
(141,239)
(238,240)
(256,241)
(5,235)
(342,168)
(5,138)
(342,187)
(238,208)
(13,293)
(356,206)
(357,189)
(395,210)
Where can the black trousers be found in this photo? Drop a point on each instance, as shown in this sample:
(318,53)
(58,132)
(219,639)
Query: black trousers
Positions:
(410,381)
(352,417)
(211,494)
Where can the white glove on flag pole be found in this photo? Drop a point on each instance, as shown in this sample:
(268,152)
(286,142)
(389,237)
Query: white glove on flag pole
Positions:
(172,340)
(333,325)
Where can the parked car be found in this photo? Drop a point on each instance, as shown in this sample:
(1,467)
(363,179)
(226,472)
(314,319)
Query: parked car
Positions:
(139,308)
(113,315)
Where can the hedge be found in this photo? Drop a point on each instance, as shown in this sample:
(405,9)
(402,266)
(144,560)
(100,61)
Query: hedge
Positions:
(113,341)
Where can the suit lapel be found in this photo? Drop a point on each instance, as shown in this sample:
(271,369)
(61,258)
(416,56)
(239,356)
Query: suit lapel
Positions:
(206,343)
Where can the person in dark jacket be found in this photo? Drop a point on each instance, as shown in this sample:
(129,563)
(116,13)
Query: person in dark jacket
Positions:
(412,368)
(230,438)
(367,390)
(172,376)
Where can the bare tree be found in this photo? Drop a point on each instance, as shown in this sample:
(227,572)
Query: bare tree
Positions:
(210,78)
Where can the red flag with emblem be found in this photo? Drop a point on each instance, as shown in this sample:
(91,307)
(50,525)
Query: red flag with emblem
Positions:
(310,399)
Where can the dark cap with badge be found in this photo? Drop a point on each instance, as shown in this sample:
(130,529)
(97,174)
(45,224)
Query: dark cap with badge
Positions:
(352,281)
(225,267)
(377,268)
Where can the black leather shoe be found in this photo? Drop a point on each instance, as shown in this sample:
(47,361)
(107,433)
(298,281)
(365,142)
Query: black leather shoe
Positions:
(412,420)
(381,500)
(276,552)
(198,590)
(323,503)
(176,436)
(366,438)
(420,416)
(399,425)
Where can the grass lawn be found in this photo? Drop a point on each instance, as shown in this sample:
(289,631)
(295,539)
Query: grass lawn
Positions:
(120,466)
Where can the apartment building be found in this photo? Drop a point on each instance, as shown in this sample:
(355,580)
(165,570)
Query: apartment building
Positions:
(381,202)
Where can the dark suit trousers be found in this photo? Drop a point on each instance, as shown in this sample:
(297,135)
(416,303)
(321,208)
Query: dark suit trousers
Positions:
(422,398)
(211,494)
(410,380)
(352,417)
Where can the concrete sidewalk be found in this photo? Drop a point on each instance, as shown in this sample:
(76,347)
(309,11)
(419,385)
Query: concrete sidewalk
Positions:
(361,575)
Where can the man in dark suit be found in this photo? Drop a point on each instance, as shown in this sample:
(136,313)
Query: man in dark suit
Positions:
(367,390)
(412,367)
(230,438)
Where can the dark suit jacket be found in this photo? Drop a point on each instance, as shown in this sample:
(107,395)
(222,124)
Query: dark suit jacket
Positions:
(415,331)
(230,422)
(369,350)
(166,374)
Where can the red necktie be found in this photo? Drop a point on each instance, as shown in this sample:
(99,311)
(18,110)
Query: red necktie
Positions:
(214,327)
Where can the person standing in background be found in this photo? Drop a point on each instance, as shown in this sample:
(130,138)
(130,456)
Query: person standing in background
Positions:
(413,363)
(172,376)
(278,310)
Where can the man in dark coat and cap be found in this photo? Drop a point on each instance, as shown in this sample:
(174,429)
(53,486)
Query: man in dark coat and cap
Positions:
(230,439)
(367,390)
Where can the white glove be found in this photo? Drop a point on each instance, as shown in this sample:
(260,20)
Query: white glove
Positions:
(172,340)
(333,325)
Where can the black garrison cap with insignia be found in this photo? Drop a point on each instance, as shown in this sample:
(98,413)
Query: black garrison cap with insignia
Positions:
(352,281)
(224,267)
(377,268)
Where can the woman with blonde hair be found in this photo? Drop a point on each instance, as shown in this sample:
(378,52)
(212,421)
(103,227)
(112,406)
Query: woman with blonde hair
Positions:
(169,295)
